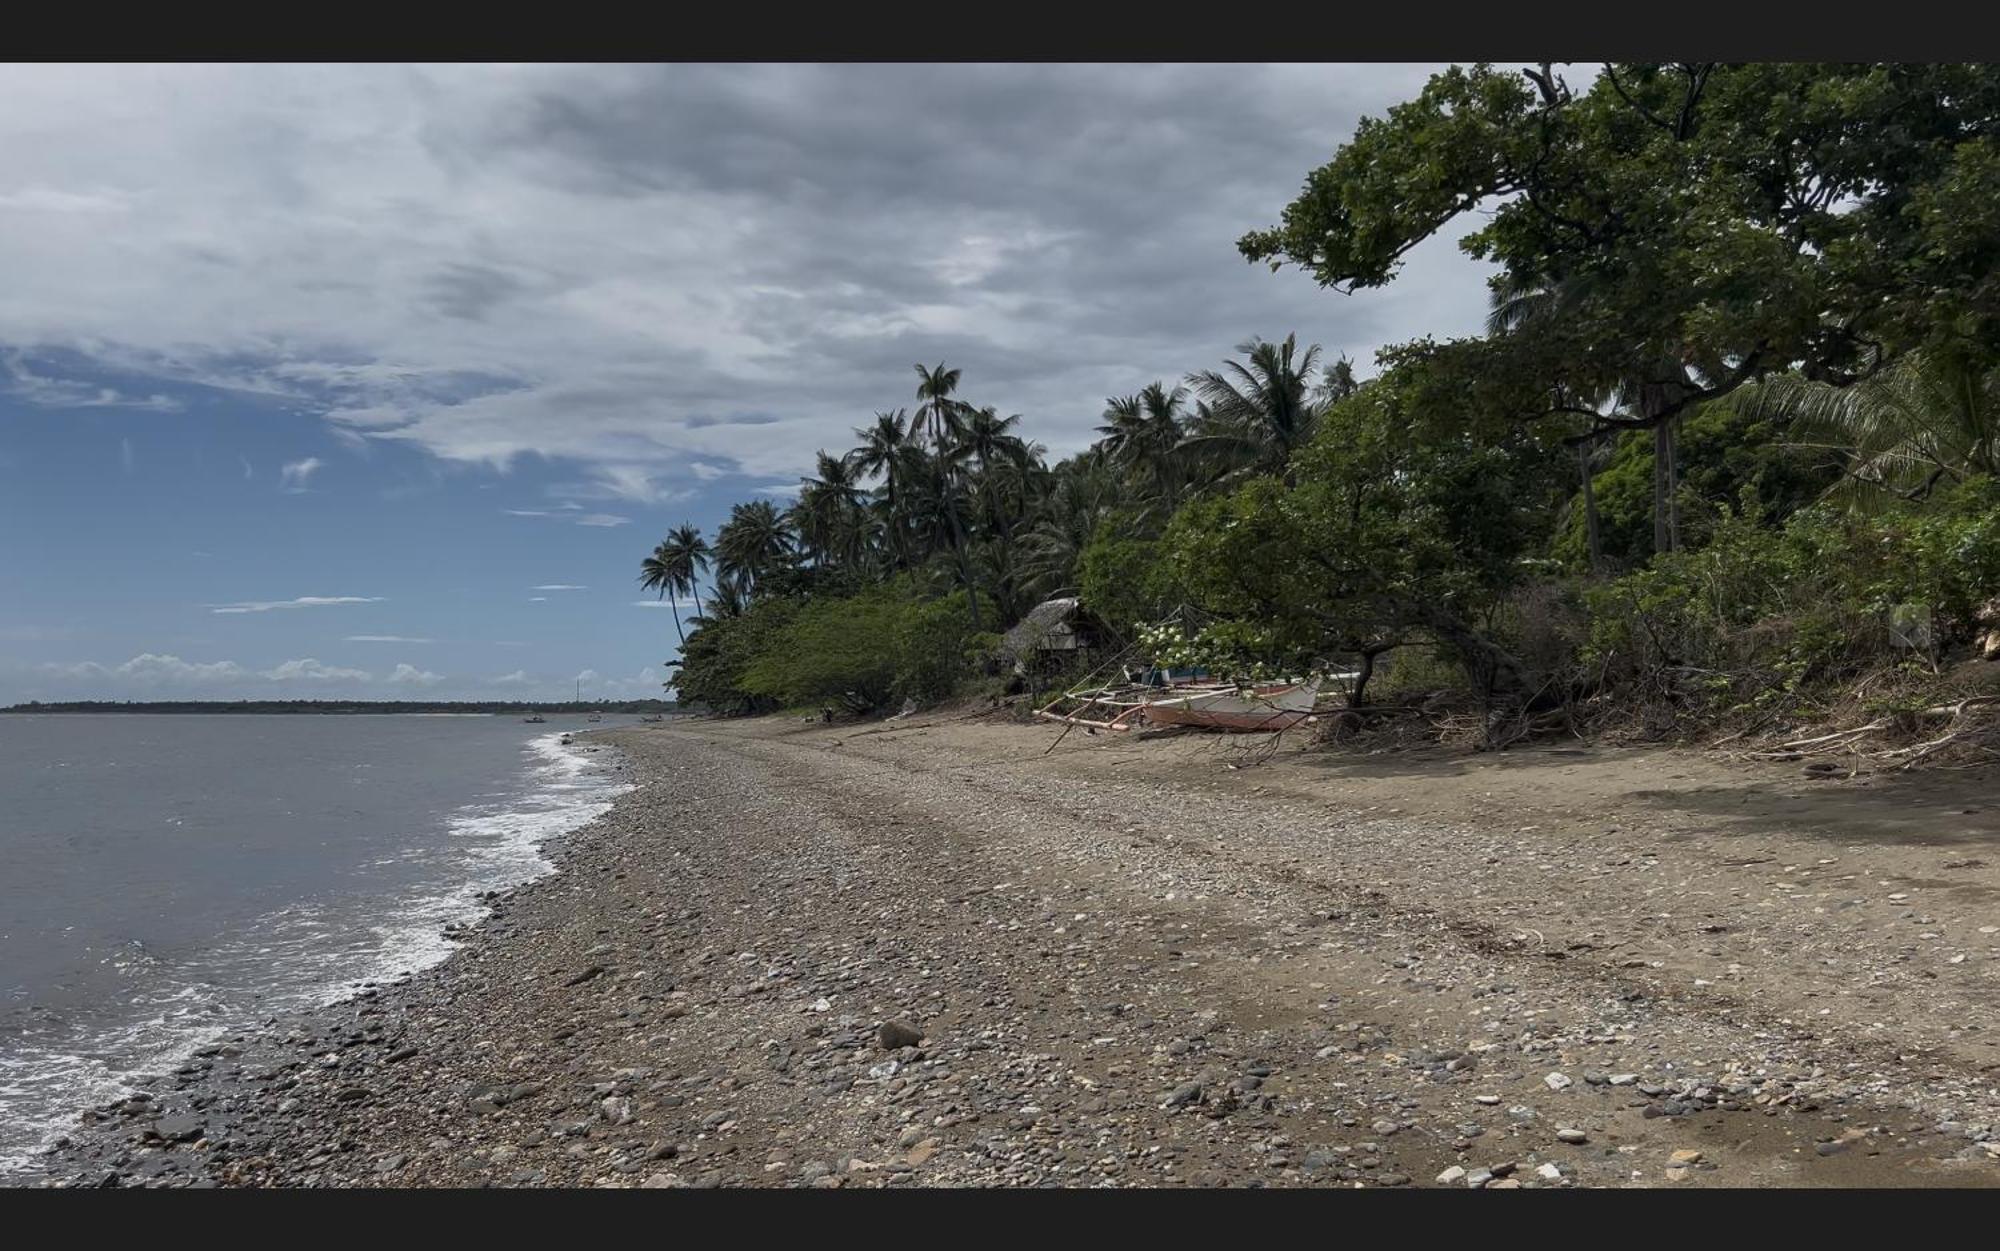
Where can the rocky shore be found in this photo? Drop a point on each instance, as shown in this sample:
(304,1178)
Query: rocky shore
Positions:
(927,953)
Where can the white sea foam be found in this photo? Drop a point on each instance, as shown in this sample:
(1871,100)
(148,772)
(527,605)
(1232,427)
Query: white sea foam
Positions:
(294,959)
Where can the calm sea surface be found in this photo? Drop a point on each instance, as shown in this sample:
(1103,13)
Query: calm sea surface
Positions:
(165,879)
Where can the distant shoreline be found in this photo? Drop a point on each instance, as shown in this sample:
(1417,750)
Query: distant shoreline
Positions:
(307,707)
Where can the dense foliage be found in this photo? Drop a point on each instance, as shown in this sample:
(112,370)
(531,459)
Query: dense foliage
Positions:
(1726,449)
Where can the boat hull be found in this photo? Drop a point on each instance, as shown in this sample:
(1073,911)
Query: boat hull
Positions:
(1265,708)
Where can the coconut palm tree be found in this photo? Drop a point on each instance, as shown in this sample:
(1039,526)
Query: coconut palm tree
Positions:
(1083,491)
(656,573)
(1255,414)
(1926,421)
(940,510)
(671,569)
(884,451)
(828,516)
(755,542)
(939,415)
(688,556)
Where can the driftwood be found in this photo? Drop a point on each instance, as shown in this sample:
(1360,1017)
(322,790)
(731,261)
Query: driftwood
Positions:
(1961,731)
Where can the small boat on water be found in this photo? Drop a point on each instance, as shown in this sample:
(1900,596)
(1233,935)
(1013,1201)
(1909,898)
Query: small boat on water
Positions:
(654,719)
(537,719)
(595,717)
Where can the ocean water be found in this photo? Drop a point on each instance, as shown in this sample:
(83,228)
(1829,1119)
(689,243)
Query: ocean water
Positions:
(168,879)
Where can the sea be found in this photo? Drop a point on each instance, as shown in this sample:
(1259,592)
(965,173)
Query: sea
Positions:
(169,879)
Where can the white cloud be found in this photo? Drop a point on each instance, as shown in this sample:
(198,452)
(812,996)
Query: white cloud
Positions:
(48,392)
(293,476)
(383,638)
(560,586)
(538,599)
(151,668)
(587,676)
(418,252)
(310,670)
(415,676)
(572,518)
(517,678)
(303,601)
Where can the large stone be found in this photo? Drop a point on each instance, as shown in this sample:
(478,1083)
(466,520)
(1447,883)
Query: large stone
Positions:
(898,1033)
(181,1128)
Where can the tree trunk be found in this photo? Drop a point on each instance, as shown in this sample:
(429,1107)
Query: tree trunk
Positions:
(674,607)
(1674,483)
(1590,526)
(1496,674)
(1359,695)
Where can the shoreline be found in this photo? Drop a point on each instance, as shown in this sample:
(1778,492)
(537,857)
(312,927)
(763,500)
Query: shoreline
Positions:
(183,1074)
(1141,964)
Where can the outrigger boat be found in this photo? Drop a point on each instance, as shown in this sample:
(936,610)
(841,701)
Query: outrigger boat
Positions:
(1199,703)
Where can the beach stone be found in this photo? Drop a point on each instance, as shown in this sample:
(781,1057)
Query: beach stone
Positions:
(896,1034)
(1575,1137)
(177,1128)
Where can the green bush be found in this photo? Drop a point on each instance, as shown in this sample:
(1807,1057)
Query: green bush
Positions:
(1123,581)
(1771,617)
(863,652)
(719,653)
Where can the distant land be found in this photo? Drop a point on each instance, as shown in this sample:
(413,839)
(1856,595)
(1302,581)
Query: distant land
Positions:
(346,706)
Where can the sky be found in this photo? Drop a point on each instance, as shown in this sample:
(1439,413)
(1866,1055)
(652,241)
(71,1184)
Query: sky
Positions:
(378,381)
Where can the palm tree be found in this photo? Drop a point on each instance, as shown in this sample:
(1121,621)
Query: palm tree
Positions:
(656,572)
(1083,491)
(938,414)
(828,515)
(1925,421)
(687,555)
(884,450)
(1254,415)
(939,505)
(1124,429)
(755,542)
(673,567)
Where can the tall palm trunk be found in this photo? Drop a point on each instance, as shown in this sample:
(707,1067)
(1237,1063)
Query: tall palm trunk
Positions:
(674,607)
(1666,530)
(1590,526)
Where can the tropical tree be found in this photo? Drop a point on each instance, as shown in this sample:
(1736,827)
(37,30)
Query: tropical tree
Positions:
(1703,236)
(939,414)
(1256,413)
(1084,490)
(1932,420)
(656,573)
(885,452)
(754,543)
(672,567)
(828,516)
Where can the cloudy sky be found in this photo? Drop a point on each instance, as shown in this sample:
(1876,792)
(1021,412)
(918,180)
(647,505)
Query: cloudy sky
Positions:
(366,380)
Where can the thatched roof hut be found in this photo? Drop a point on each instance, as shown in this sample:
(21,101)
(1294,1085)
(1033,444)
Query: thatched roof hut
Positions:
(1052,630)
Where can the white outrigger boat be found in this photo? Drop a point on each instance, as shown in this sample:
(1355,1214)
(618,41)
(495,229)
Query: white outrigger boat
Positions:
(1268,706)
